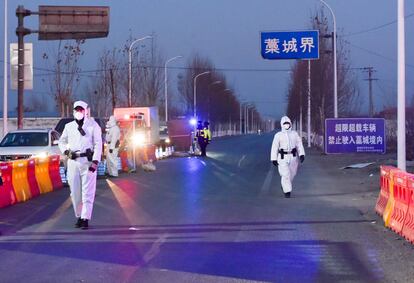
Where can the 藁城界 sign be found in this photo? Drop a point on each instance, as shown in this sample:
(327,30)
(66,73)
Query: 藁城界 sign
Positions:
(290,45)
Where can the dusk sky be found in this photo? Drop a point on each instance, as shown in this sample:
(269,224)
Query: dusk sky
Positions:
(228,32)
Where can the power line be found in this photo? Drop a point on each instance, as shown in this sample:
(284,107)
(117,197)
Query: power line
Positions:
(375,28)
(174,67)
(377,54)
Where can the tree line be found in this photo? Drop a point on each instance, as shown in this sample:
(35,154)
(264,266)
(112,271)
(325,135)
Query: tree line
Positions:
(106,87)
(321,77)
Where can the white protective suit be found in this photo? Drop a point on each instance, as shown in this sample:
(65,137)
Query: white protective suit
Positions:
(288,166)
(112,137)
(82,181)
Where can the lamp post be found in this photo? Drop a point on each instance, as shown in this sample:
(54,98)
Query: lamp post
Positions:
(244,104)
(195,92)
(240,117)
(208,104)
(401,147)
(229,122)
(5,72)
(130,68)
(165,85)
(248,106)
(334,59)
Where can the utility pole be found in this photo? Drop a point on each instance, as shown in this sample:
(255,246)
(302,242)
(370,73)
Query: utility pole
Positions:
(401,134)
(21,31)
(111,71)
(370,71)
(309,104)
(6,54)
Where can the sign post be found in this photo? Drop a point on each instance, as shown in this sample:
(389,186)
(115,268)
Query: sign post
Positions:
(57,23)
(293,45)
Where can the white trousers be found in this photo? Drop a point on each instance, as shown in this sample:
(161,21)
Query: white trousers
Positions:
(82,183)
(112,162)
(287,171)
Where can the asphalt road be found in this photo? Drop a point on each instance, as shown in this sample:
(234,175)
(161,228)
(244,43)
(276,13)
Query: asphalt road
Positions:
(217,219)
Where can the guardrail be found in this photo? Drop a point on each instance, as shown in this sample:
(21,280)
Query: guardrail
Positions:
(26,179)
(395,202)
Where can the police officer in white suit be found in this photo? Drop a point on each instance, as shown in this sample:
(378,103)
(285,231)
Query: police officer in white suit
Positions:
(112,137)
(287,150)
(81,142)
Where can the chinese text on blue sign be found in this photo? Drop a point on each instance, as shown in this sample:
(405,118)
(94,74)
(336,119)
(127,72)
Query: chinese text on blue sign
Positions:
(290,45)
(355,135)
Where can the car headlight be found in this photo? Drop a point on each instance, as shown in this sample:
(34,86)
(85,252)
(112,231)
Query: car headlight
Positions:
(138,139)
(43,154)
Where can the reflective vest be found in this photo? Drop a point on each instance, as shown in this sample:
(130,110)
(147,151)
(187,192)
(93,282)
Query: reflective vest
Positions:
(206,134)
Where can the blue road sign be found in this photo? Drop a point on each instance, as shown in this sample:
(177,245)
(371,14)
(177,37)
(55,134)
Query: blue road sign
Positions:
(290,45)
(355,135)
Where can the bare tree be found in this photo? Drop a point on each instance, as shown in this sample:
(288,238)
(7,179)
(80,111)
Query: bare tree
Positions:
(216,100)
(106,88)
(109,85)
(36,103)
(322,81)
(64,64)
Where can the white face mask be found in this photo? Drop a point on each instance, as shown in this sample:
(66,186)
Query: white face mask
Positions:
(78,115)
(286,126)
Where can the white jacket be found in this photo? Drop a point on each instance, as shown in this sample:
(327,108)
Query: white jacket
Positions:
(73,140)
(113,133)
(286,140)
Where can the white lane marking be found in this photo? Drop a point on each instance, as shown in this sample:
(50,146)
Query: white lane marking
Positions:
(218,167)
(241,160)
(266,184)
(155,248)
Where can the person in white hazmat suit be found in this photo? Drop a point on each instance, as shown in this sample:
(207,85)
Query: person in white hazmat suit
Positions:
(287,150)
(113,138)
(81,142)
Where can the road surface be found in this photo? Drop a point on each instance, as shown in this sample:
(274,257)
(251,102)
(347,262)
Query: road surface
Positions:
(218,219)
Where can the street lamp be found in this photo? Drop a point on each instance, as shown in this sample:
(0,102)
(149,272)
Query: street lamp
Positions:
(130,68)
(5,71)
(240,116)
(248,106)
(228,90)
(208,106)
(195,92)
(165,85)
(401,138)
(334,58)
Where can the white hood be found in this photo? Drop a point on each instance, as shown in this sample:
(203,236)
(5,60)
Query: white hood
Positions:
(111,123)
(284,120)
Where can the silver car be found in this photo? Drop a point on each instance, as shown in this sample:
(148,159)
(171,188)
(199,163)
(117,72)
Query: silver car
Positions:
(23,144)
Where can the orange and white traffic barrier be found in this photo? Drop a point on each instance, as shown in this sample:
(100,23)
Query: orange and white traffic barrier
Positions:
(31,178)
(391,200)
(7,194)
(408,227)
(26,179)
(54,173)
(402,196)
(384,194)
(42,175)
(20,180)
